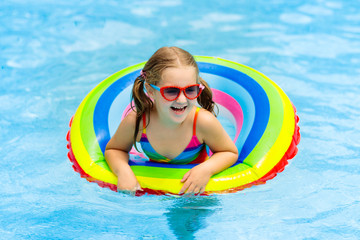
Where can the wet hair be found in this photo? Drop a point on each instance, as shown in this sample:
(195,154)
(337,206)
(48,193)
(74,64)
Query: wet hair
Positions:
(165,57)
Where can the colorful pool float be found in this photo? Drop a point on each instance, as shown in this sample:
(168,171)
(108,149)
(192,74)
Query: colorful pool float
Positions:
(256,113)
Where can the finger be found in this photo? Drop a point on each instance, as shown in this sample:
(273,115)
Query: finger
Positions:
(185,177)
(196,190)
(138,187)
(199,191)
(184,187)
(190,188)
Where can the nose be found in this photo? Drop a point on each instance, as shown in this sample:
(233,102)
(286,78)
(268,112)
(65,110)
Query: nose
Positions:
(182,98)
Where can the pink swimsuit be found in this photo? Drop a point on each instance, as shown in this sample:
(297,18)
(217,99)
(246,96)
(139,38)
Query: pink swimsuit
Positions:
(195,152)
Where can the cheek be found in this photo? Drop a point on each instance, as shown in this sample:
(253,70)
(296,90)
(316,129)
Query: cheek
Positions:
(192,102)
(161,101)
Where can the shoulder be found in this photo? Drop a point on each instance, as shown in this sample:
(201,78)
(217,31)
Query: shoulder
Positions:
(205,117)
(129,122)
(124,135)
(130,119)
(211,132)
(207,124)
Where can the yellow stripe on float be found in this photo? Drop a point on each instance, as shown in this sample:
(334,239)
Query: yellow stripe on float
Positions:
(284,139)
(82,156)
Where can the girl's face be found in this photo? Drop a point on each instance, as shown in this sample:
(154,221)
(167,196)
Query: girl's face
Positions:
(175,111)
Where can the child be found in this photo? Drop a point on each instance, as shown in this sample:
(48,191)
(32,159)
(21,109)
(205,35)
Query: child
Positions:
(166,121)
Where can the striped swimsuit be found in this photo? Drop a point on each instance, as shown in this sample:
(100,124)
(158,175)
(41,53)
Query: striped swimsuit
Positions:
(195,152)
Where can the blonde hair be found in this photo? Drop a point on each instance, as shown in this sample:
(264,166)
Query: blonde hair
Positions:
(163,58)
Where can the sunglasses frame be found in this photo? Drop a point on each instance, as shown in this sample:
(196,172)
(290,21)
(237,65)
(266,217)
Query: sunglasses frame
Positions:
(161,90)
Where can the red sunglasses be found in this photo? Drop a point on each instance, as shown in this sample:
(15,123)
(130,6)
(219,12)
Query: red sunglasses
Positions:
(171,93)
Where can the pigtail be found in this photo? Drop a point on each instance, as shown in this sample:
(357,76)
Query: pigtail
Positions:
(141,101)
(205,99)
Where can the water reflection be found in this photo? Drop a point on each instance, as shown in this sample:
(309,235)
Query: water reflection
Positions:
(188,215)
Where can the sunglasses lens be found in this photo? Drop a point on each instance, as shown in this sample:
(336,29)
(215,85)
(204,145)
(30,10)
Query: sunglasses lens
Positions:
(171,93)
(192,91)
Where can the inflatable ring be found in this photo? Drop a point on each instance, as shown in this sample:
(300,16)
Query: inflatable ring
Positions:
(253,109)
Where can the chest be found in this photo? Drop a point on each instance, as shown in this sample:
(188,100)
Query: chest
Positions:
(169,143)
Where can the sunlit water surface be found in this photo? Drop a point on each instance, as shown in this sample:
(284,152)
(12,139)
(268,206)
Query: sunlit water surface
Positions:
(52,53)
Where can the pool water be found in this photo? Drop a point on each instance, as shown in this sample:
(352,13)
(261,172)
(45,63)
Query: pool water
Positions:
(53,53)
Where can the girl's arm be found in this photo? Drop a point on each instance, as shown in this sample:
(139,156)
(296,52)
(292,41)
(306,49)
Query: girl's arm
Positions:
(117,154)
(225,154)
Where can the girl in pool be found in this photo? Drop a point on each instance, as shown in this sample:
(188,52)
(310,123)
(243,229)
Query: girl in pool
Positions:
(169,126)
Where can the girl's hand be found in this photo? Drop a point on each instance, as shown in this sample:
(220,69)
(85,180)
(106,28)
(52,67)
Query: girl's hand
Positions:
(195,180)
(128,183)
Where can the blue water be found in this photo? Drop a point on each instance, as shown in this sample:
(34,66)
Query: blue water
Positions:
(52,53)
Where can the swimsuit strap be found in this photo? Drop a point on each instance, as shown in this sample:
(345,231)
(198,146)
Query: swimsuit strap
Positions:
(144,123)
(195,118)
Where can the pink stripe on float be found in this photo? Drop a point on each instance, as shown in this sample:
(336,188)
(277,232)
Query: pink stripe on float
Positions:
(126,111)
(232,105)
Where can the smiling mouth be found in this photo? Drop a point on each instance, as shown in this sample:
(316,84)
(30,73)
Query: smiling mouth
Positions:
(178,109)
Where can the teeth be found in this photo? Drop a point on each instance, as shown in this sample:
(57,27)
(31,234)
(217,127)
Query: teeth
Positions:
(179,107)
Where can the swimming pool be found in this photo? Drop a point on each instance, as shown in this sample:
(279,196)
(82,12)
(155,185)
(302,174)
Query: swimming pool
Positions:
(52,54)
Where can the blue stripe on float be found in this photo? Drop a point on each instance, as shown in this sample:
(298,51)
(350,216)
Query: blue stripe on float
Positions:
(101,112)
